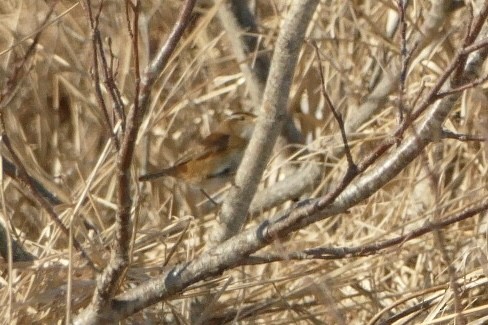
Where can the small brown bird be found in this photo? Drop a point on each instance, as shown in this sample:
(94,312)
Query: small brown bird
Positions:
(217,156)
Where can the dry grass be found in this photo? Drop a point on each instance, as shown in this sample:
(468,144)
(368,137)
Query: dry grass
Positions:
(58,130)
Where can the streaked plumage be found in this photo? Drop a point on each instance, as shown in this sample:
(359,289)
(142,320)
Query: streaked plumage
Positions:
(217,155)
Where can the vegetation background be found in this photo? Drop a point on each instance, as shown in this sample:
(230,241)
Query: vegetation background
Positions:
(387,258)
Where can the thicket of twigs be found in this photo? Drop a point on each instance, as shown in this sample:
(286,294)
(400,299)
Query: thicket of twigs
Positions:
(387,227)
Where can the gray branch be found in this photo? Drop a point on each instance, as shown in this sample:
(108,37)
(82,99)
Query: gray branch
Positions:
(234,251)
(296,184)
(270,120)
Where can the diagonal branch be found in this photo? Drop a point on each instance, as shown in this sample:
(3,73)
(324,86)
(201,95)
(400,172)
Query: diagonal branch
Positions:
(231,253)
(237,19)
(270,120)
(333,253)
(294,185)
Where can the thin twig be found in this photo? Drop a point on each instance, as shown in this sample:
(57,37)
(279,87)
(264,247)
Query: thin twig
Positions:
(97,49)
(21,173)
(113,273)
(25,180)
(11,170)
(334,253)
(231,252)
(464,87)
(447,134)
(337,115)
(458,60)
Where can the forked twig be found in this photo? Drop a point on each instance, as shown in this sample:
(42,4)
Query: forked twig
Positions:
(113,274)
(97,49)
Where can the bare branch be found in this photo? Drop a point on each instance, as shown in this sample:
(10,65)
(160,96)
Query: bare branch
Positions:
(436,17)
(115,270)
(273,111)
(334,111)
(97,49)
(237,19)
(295,184)
(332,253)
(233,251)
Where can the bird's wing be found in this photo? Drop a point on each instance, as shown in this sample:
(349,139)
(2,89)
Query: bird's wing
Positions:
(213,143)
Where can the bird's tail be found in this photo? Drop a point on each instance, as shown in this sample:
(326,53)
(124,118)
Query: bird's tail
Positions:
(151,176)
